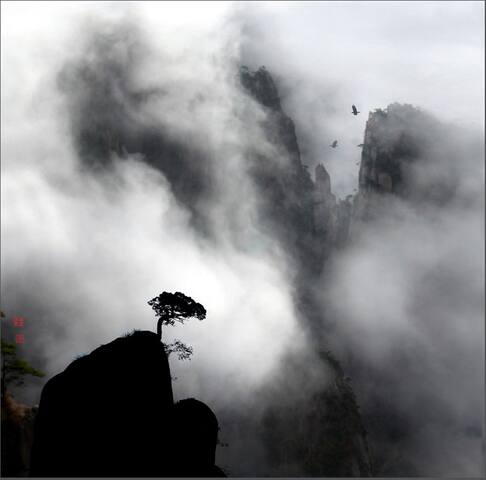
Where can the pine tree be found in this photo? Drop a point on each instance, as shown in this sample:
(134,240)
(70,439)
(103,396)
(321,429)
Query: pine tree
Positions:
(172,307)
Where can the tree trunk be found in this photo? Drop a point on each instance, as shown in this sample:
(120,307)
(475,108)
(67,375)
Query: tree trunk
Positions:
(159,328)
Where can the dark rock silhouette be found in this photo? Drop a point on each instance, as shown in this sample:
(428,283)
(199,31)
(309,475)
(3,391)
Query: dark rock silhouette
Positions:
(104,414)
(197,456)
(109,414)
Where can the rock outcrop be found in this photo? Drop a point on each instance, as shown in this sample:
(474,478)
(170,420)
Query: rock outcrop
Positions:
(390,144)
(111,414)
(284,186)
(104,415)
(323,434)
(17,436)
(399,161)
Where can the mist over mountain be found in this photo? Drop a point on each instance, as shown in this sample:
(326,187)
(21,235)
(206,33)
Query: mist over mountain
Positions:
(413,276)
(345,332)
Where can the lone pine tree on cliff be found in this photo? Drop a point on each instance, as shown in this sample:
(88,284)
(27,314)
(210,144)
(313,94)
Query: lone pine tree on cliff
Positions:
(172,307)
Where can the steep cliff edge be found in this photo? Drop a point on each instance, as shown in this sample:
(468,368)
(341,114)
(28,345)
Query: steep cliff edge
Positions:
(322,435)
(392,143)
(400,159)
(285,188)
(304,214)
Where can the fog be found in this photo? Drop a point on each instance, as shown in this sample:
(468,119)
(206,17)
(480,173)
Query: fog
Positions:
(89,238)
(409,299)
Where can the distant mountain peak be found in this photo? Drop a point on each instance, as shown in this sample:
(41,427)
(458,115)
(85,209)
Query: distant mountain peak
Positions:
(261,86)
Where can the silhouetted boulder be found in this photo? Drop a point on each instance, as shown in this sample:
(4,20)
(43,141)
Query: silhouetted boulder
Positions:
(106,414)
(194,439)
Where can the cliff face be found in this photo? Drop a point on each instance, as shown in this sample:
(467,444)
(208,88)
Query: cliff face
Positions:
(304,214)
(322,435)
(391,144)
(279,127)
(410,165)
(284,186)
(398,160)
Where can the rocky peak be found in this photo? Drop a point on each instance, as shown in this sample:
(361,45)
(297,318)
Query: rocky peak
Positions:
(323,180)
(393,141)
(262,87)
(279,128)
(401,156)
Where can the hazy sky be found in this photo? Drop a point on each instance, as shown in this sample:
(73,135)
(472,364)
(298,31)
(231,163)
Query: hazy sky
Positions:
(329,54)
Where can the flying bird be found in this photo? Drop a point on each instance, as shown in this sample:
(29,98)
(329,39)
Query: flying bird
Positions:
(355,110)
(360,145)
(333,144)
